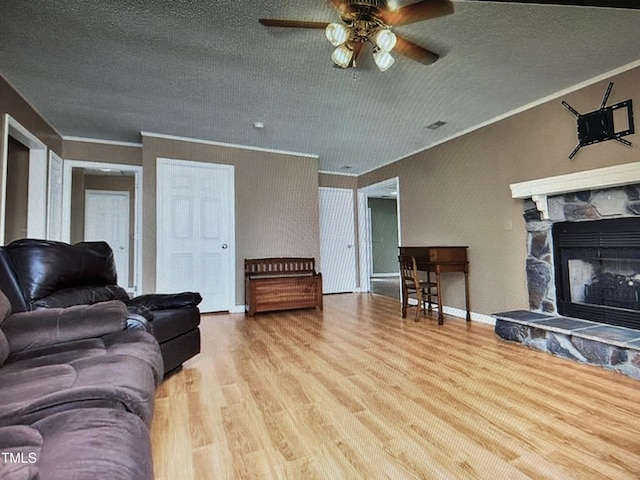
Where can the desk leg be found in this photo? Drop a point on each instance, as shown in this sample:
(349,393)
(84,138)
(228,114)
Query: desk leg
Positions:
(404,299)
(440,313)
(466,295)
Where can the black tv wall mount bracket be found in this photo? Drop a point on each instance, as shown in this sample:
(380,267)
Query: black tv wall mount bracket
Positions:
(606,123)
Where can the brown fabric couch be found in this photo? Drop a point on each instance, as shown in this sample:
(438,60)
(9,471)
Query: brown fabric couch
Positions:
(76,395)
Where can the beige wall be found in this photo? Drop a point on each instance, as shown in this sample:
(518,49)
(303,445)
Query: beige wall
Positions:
(276,199)
(337,181)
(100,152)
(458,192)
(12,103)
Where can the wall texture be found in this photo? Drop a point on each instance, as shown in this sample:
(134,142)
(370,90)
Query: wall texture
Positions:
(458,192)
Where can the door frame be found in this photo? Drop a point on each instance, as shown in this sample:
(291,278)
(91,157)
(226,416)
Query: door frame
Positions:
(230,171)
(364,228)
(54,225)
(68,165)
(37,196)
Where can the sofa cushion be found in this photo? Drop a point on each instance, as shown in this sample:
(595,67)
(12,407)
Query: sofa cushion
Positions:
(43,267)
(168,324)
(164,301)
(4,348)
(84,444)
(87,295)
(35,329)
(114,381)
(133,343)
(5,311)
(22,444)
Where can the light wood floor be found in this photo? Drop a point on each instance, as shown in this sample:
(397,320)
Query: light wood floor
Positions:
(357,392)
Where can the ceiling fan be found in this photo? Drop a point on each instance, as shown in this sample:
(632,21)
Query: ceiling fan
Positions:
(371,22)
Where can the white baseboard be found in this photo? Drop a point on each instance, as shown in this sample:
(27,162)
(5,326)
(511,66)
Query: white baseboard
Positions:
(460,313)
(237,309)
(476,317)
(385,275)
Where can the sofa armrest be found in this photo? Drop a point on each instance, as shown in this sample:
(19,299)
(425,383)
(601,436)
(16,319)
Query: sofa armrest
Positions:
(165,301)
(39,328)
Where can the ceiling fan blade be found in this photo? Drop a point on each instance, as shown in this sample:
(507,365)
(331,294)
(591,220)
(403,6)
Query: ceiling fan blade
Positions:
(272,22)
(414,51)
(417,12)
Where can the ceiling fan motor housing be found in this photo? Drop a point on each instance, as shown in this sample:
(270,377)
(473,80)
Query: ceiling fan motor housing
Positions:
(363,18)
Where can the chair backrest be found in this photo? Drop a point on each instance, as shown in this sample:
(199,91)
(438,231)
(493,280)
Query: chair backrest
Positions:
(408,270)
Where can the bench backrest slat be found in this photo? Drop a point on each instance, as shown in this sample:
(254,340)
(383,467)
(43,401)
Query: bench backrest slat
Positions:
(279,266)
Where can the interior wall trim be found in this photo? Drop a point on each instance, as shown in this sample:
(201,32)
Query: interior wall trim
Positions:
(229,145)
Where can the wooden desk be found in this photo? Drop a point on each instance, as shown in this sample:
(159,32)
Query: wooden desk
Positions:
(438,260)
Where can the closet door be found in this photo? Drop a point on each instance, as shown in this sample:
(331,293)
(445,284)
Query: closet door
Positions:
(337,240)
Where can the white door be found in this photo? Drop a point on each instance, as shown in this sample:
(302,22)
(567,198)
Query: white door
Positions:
(337,240)
(195,233)
(106,218)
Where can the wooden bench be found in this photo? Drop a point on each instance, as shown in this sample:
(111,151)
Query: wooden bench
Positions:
(281,284)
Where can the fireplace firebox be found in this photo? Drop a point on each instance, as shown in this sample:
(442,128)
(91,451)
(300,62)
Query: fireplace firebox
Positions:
(597,268)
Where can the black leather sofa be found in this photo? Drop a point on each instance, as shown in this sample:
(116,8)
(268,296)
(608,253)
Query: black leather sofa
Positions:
(39,274)
(77,392)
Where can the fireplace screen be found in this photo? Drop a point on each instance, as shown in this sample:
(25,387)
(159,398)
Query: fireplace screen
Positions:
(597,266)
(611,280)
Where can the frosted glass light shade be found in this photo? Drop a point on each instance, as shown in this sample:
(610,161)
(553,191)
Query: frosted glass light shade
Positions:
(386,40)
(383,59)
(336,34)
(341,56)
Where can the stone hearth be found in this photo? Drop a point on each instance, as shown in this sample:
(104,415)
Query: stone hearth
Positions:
(611,347)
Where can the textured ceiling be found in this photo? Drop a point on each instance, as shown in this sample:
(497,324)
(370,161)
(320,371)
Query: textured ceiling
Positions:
(206,69)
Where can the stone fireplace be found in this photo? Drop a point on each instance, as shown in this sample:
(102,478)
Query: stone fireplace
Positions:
(578,208)
(583,268)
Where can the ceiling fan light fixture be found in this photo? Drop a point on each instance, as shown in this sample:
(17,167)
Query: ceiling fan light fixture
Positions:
(383,59)
(385,39)
(336,34)
(342,55)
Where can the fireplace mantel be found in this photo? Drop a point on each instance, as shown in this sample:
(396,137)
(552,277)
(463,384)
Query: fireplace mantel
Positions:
(542,188)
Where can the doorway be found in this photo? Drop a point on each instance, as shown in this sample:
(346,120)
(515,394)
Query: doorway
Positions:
(23,185)
(379,226)
(78,177)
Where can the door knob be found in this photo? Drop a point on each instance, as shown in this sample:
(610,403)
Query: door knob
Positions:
(225,246)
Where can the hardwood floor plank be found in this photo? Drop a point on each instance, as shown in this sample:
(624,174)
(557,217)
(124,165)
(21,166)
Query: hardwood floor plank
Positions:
(354,391)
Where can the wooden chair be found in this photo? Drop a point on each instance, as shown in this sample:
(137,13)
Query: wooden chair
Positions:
(423,290)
